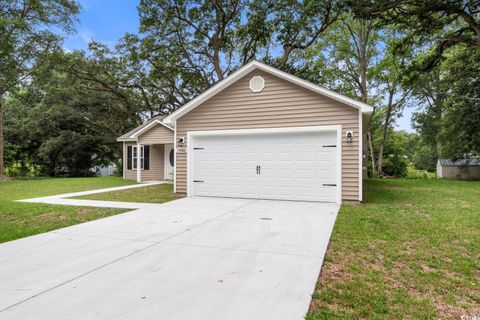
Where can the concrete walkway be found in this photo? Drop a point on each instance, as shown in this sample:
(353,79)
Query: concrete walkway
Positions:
(63,199)
(193,258)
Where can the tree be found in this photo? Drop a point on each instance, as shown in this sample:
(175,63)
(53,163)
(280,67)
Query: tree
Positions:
(184,47)
(201,34)
(106,72)
(448,122)
(428,89)
(156,74)
(389,76)
(462,103)
(25,37)
(351,54)
(398,149)
(424,157)
(292,26)
(428,23)
(63,124)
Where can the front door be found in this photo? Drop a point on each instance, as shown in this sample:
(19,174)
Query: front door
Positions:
(169,161)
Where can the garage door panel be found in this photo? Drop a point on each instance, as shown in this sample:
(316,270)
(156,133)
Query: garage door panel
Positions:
(293,166)
(233,156)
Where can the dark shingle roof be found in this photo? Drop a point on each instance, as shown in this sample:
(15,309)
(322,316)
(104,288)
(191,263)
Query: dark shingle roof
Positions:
(129,133)
(460,162)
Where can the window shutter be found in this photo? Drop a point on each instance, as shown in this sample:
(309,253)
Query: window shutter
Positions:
(129,158)
(146,157)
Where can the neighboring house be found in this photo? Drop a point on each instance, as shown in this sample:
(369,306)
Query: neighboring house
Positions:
(464,169)
(104,171)
(260,133)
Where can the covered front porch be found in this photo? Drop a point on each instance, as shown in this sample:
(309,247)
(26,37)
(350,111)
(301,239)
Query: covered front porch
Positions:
(148,152)
(156,162)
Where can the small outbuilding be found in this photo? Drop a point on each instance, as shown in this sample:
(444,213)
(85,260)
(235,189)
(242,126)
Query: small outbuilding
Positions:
(462,169)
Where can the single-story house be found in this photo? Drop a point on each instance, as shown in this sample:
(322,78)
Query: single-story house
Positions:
(463,169)
(259,133)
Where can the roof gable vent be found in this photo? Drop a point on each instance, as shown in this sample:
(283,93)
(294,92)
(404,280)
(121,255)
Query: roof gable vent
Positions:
(257,83)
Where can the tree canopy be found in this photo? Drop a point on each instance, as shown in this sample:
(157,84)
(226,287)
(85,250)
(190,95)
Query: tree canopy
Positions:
(63,110)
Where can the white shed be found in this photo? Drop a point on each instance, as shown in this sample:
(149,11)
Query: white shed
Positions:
(462,169)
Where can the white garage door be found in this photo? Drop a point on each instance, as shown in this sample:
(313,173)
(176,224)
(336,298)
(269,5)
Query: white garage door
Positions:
(286,166)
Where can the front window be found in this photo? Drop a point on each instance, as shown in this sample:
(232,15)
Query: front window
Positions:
(134,157)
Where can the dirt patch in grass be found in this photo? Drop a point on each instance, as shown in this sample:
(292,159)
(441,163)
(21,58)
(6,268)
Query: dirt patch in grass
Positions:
(87,211)
(46,217)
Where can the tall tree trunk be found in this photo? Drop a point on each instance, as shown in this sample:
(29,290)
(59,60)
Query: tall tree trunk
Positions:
(2,175)
(217,39)
(216,61)
(287,50)
(386,124)
(372,153)
(439,126)
(363,66)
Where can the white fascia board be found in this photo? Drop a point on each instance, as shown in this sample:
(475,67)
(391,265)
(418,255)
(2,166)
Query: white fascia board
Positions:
(147,127)
(281,74)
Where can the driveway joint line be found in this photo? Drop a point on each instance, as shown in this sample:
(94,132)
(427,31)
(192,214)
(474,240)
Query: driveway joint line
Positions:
(101,237)
(243,250)
(123,257)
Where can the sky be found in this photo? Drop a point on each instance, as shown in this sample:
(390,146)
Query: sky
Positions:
(404,123)
(107,21)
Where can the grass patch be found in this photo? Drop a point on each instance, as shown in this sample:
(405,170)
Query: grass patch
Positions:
(153,194)
(411,252)
(18,219)
(420,174)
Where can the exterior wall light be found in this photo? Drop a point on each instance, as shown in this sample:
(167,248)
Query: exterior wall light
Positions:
(349,136)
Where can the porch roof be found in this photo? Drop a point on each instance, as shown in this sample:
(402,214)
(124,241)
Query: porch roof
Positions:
(128,136)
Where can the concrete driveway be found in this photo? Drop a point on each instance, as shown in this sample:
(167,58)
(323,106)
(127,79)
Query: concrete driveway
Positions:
(194,258)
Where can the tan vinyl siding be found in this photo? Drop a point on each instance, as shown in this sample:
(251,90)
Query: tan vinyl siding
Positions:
(158,134)
(280,104)
(157,163)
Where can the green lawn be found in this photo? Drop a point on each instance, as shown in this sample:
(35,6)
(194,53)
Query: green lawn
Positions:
(411,252)
(154,194)
(18,220)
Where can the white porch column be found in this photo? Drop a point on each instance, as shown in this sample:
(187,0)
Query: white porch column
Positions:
(139,167)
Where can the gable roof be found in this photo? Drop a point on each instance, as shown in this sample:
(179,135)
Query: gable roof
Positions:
(134,133)
(225,83)
(460,162)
